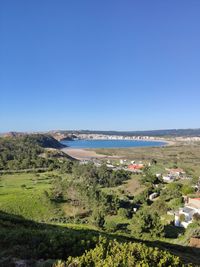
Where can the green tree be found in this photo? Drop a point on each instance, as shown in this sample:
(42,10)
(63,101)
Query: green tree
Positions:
(148,177)
(147,222)
(159,206)
(187,189)
(98,218)
(175,203)
(172,190)
(124,213)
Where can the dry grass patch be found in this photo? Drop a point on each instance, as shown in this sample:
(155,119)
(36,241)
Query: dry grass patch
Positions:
(133,186)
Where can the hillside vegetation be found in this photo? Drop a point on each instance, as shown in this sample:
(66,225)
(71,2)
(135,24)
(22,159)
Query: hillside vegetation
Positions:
(29,240)
(89,215)
(25,152)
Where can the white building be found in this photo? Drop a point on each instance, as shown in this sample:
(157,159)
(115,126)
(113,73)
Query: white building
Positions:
(168,178)
(188,211)
(176,172)
(123,161)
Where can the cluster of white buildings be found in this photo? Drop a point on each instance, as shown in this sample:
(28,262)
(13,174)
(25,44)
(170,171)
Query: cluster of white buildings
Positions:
(113,137)
(174,174)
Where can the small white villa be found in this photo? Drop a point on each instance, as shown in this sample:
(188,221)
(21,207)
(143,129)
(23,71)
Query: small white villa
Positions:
(184,216)
(168,178)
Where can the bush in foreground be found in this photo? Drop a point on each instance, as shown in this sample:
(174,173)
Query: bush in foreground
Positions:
(115,254)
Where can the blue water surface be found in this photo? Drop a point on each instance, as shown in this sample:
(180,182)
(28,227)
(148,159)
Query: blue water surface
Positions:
(111,143)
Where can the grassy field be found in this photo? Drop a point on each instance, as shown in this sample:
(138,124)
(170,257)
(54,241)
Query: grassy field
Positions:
(24,194)
(130,187)
(133,186)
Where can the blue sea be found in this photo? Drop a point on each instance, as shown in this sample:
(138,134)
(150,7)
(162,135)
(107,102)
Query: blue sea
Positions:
(111,143)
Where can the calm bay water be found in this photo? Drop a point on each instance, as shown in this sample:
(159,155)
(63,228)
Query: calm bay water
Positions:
(111,143)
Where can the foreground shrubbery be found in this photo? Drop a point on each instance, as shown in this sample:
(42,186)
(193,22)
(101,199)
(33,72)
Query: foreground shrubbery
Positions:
(30,240)
(39,242)
(115,254)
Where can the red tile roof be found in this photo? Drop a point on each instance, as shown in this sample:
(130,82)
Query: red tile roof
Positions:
(136,166)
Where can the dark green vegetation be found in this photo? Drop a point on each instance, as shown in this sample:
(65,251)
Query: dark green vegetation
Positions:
(63,210)
(81,192)
(25,239)
(112,253)
(29,152)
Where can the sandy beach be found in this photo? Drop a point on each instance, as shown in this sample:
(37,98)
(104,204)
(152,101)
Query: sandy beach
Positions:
(85,154)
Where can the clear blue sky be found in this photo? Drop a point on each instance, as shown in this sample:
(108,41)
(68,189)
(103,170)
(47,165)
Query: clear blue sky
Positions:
(104,64)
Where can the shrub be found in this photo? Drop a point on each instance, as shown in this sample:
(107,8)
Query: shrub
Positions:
(115,254)
(123,213)
(111,226)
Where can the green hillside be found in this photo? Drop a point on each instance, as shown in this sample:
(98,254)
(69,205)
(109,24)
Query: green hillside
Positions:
(57,212)
(29,151)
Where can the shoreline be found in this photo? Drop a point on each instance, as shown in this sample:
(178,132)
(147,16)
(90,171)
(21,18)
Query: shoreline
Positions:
(90,153)
(117,139)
